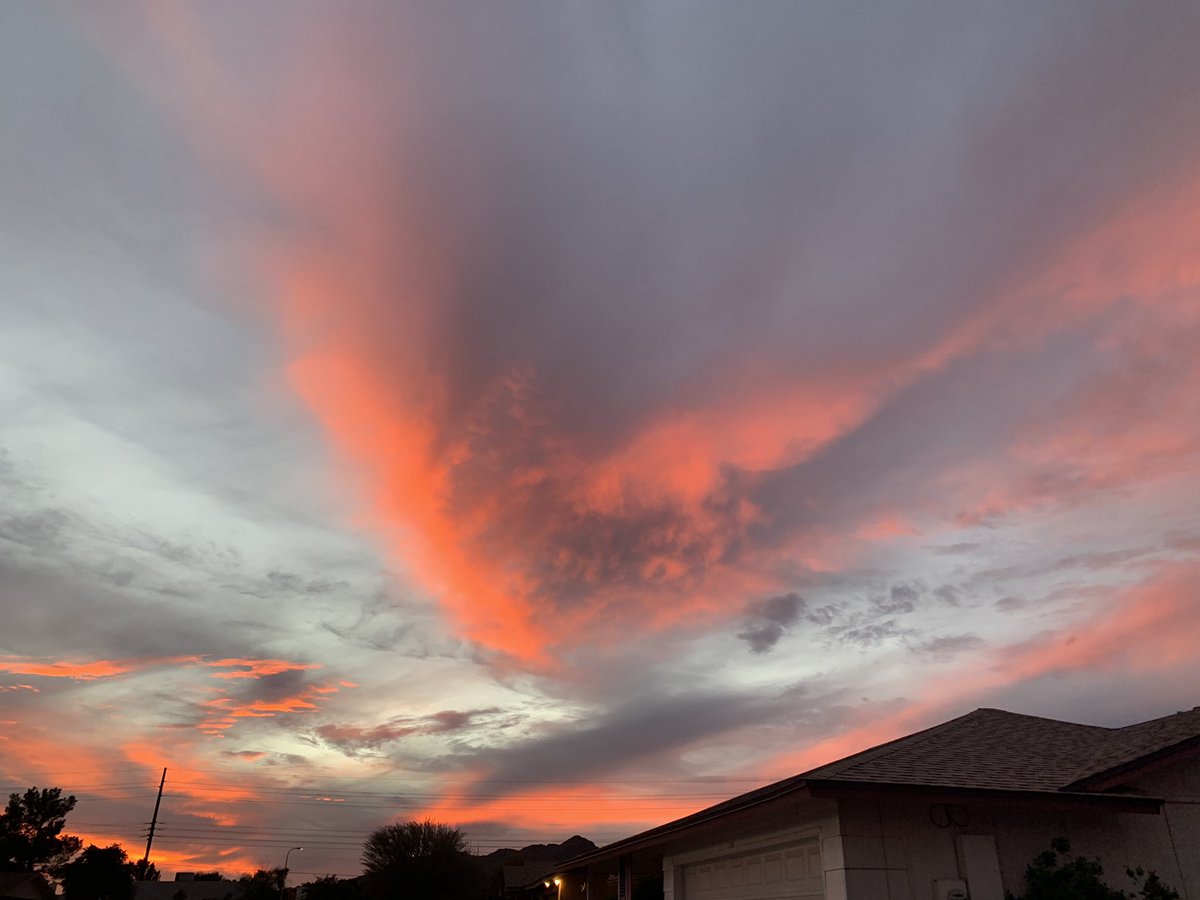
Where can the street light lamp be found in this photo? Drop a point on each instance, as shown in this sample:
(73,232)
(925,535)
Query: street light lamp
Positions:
(283,875)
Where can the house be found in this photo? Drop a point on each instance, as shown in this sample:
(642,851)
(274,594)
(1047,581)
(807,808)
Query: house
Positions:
(533,882)
(186,887)
(25,886)
(528,873)
(955,812)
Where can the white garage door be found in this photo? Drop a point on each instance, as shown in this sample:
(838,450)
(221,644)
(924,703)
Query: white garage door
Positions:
(792,871)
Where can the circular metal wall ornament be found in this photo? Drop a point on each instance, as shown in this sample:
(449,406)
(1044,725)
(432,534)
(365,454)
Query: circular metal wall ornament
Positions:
(939,814)
(943,815)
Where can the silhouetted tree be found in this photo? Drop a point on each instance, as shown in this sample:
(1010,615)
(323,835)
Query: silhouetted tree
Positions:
(330,887)
(424,860)
(98,873)
(31,830)
(264,884)
(145,871)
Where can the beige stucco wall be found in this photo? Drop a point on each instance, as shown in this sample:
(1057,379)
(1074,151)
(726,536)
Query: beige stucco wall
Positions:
(891,834)
(1180,785)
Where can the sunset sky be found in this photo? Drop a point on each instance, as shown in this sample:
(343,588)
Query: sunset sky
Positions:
(554,418)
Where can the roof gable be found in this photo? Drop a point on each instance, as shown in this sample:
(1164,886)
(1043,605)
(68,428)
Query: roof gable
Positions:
(1129,747)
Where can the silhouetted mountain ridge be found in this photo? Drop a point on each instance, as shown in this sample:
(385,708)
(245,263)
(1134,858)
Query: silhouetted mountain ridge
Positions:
(507,856)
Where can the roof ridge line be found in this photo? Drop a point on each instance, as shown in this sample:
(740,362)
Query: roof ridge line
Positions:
(1009,712)
(881,750)
(1181,712)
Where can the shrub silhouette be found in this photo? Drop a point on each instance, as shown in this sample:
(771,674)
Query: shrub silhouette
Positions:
(1055,875)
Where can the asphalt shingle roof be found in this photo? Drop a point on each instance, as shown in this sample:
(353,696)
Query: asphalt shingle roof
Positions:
(993,749)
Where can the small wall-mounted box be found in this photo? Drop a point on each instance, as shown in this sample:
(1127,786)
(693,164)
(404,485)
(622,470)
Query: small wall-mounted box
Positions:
(950,889)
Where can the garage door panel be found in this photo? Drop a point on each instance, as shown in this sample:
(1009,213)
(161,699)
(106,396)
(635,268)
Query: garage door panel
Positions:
(780,873)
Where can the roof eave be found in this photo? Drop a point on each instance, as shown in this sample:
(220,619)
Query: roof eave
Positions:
(663,833)
(1126,802)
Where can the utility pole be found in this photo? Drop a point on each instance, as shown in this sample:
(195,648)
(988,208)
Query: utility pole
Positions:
(153,823)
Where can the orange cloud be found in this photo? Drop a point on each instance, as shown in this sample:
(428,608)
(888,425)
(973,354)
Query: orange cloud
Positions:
(534,536)
(224,712)
(80,670)
(452,496)
(75,670)
(495,568)
(192,789)
(256,668)
(32,749)
(565,807)
(87,670)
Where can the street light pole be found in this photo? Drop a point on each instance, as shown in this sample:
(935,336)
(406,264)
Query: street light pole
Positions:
(283,875)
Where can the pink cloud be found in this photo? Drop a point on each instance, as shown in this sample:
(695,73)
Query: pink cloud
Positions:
(540,534)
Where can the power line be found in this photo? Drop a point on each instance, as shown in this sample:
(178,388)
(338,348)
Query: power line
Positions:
(514,805)
(200,829)
(277,795)
(700,779)
(234,831)
(327,796)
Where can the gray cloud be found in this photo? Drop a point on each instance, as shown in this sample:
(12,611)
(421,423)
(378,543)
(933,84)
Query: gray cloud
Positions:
(642,731)
(902,598)
(766,621)
(1090,562)
(870,634)
(949,646)
(949,594)
(957,549)
(354,740)
(37,530)
(1011,604)
(1187,542)
(377,625)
